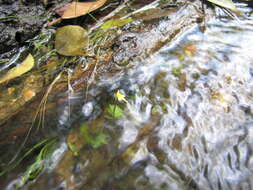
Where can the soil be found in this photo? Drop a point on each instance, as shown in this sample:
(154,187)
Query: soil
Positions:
(21,20)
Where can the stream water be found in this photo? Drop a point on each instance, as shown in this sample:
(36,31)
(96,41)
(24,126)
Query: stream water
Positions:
(187,122)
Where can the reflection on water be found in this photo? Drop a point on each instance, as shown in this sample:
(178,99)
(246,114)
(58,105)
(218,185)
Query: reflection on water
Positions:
(201,89)
(187,123)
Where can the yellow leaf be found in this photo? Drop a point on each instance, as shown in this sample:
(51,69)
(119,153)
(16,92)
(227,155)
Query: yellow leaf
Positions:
(17,71)
(120,97)
(116,23)
(76,9)
(225,4)
(71,40)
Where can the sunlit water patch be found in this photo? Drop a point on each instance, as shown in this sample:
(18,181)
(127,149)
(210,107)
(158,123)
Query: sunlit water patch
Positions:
(201,88)
(187,122)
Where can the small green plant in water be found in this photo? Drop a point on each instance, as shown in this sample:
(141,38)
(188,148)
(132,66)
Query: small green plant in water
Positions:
(72,147)
(36,168)
(10,167)
(177,71)
(96,141)
(40,162)
(114,111)
(115,23)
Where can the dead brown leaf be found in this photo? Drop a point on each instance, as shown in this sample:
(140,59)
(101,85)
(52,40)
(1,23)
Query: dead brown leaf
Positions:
(76,9)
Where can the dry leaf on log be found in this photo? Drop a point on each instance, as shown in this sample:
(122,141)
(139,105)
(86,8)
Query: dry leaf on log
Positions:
(76,9)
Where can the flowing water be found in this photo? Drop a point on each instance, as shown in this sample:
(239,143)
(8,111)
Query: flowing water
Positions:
(187,122)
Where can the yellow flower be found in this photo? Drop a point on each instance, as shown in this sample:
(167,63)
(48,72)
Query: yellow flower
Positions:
(120,97)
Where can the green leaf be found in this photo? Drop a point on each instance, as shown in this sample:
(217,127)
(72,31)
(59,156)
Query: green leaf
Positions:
(84,131)
(225,4)
(96,141)
(72,148)
(99,140)
(177,71)
(37,167)
(116,23)
(114,111)
(12,166)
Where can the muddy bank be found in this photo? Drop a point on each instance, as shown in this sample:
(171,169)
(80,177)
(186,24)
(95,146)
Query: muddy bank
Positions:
(19,21)
(22,20)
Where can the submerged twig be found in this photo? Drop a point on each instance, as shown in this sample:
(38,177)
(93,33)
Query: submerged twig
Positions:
(41,117)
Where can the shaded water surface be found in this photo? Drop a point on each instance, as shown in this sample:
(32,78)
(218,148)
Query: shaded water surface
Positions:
(187,123)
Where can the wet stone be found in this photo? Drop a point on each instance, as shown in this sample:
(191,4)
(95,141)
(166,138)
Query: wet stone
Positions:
(126,47)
